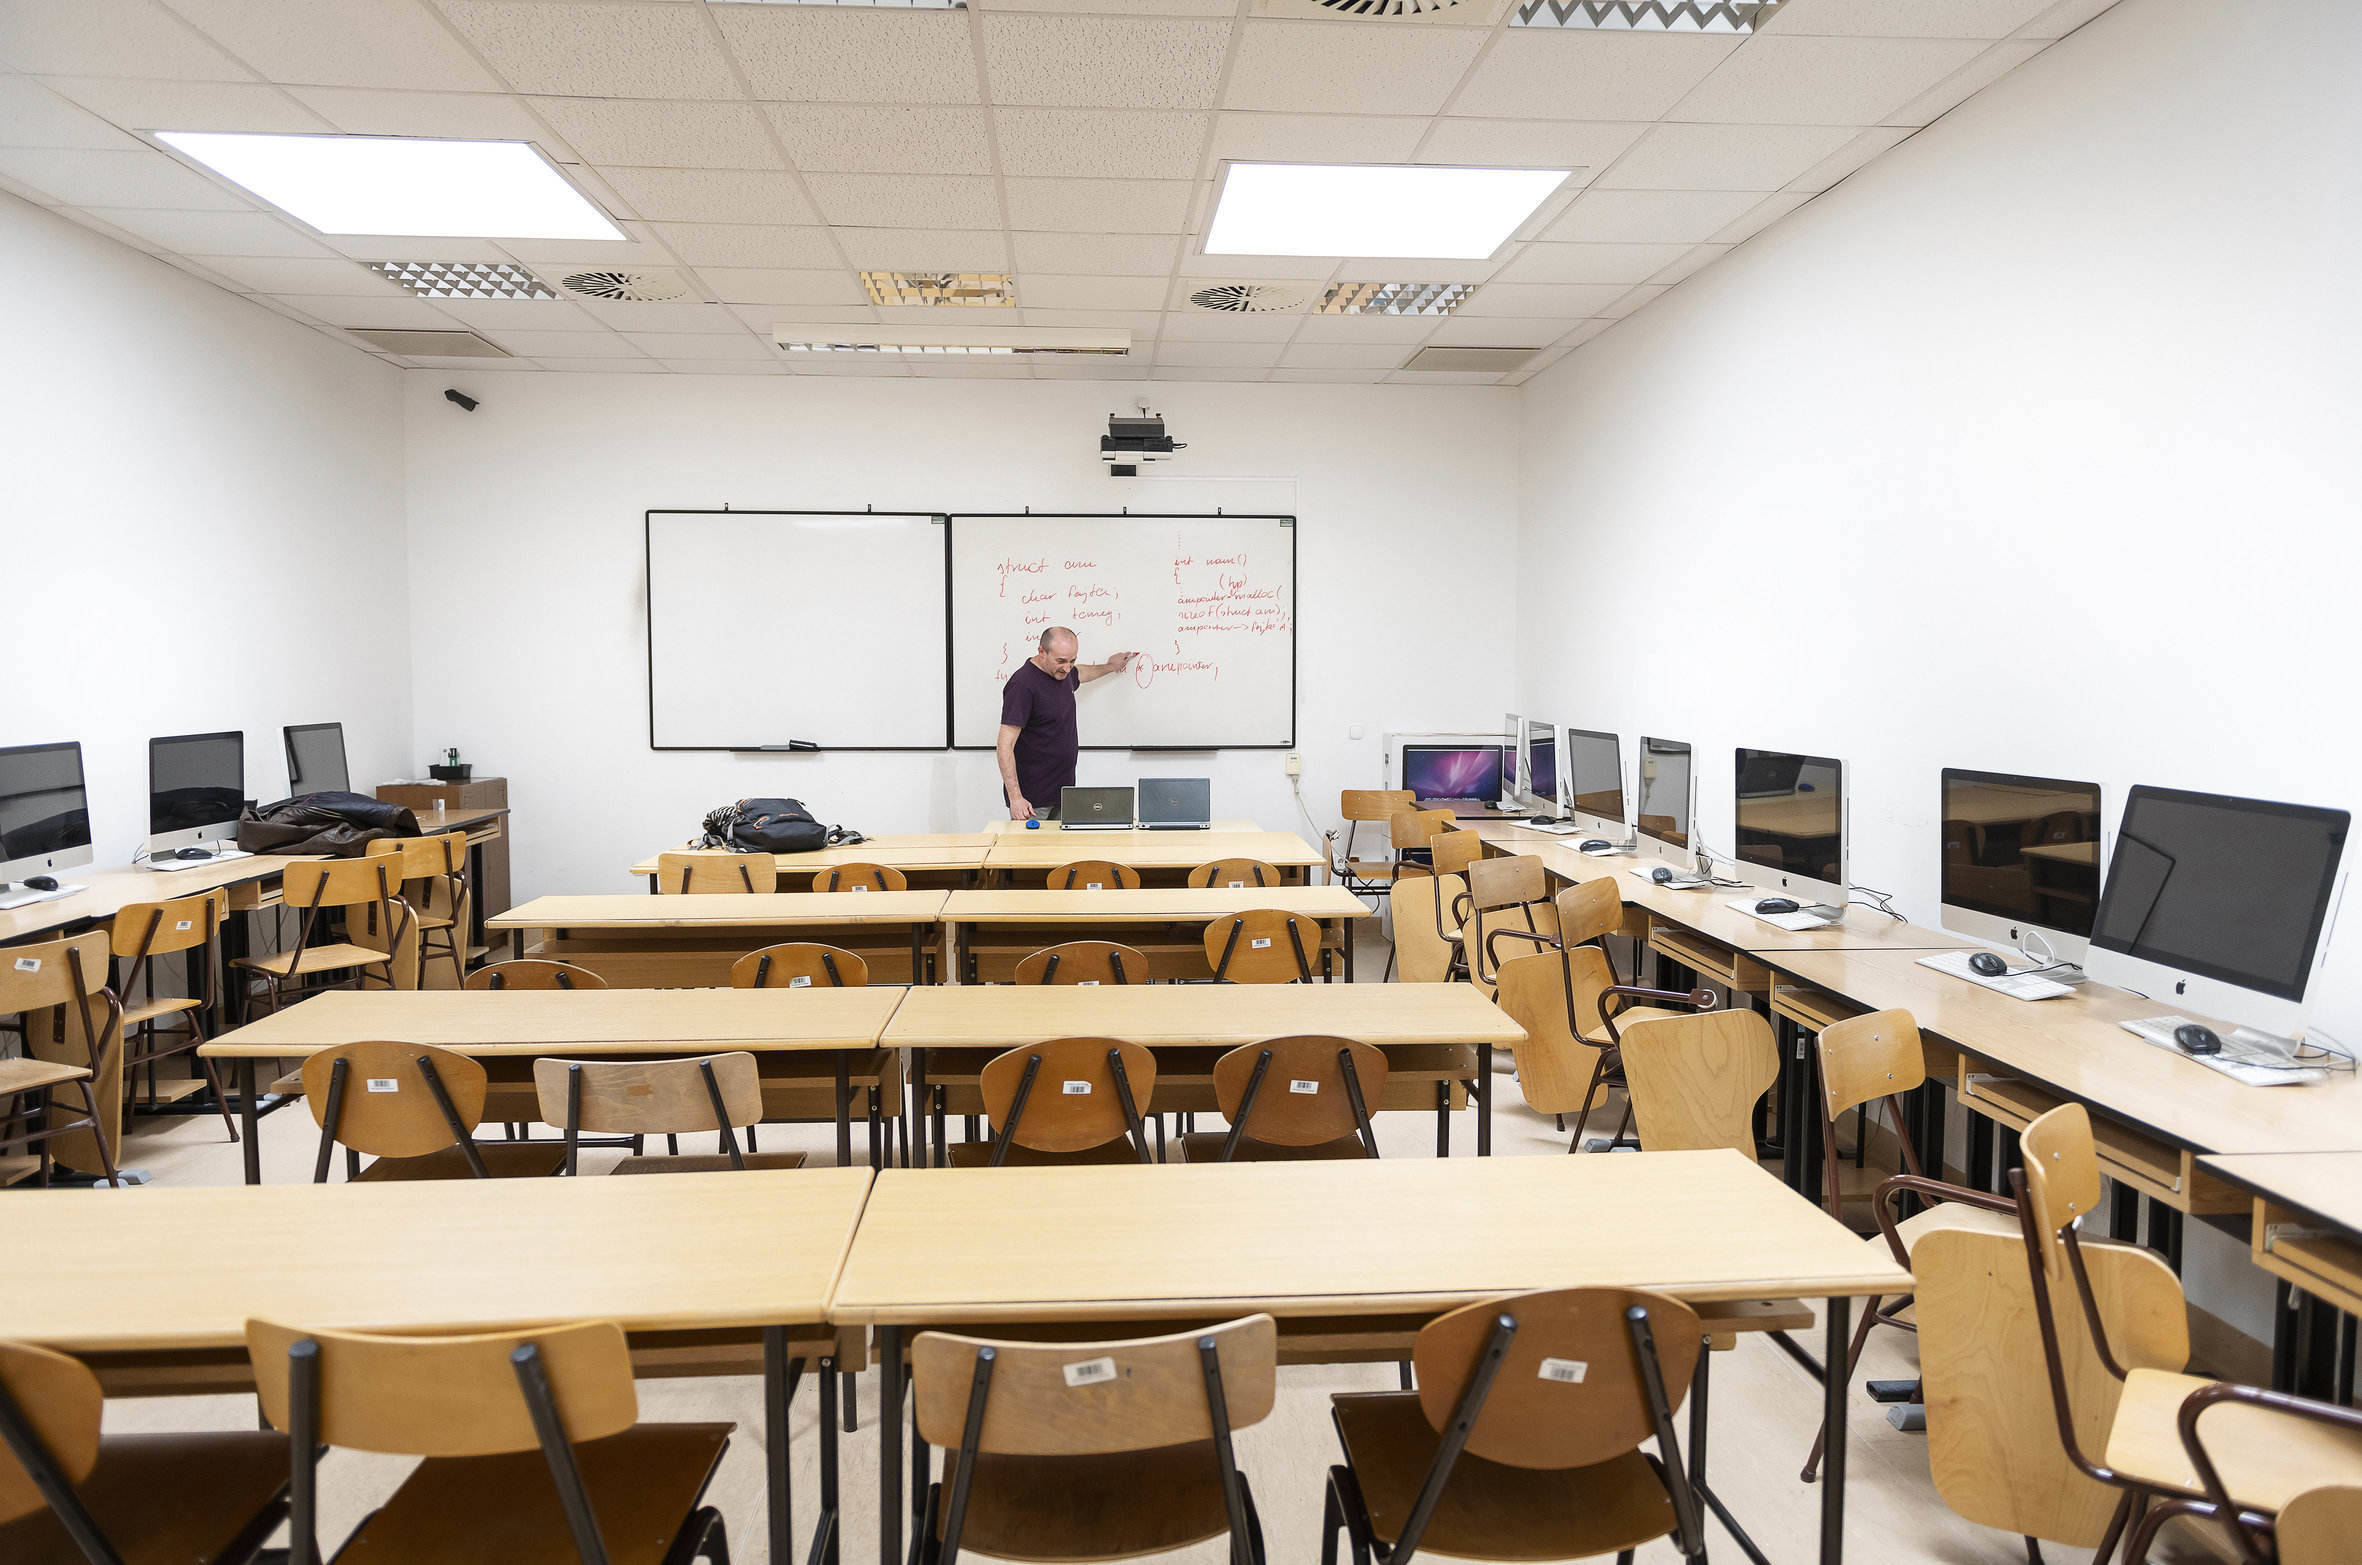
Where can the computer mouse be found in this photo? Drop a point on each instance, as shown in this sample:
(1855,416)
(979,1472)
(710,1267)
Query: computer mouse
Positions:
(1593,845)
(1772,906)
(1660,874)
(1033,823)
(194,853)
(41,882)
(2196,1038)
(1986,965)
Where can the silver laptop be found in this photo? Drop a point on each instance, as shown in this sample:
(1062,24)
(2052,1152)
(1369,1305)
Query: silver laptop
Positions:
(1176,803)
(1095,809)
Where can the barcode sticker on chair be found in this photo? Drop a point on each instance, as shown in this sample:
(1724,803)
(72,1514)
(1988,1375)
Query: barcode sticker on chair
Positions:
(1565,1371)
(183,925)
(385,1084)
(857,888)
(1086,983)
(1306,1087)
(1090,1372)
(1264,944)
(1096,885)
(1077,1089)
(1238,885)
(800,981)
(28,964)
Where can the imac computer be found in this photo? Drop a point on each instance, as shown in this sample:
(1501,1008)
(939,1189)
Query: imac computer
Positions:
(1595,782)
(2021,861)
(2218,905)
(1460,777)
(1791,835)
(196,783)
(44,820)
(1513,769)
(1667,801)
(315,758)
(1544,782)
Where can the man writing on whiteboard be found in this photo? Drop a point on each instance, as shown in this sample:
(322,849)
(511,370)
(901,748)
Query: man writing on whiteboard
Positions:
(1038,739)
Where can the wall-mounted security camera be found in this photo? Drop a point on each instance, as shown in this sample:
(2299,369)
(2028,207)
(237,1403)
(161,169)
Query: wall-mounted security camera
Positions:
(467,404)
(1132,441)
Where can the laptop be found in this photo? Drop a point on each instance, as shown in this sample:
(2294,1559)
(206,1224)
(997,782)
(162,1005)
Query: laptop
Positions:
(1176,803)
(1095,809)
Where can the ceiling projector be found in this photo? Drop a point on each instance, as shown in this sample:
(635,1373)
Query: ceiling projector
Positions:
(1132,441)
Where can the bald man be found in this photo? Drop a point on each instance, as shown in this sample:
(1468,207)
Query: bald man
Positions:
(1038,739)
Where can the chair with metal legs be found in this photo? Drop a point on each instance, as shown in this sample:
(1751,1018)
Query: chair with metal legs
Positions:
(1084,962)
(1235,874)
(685,873)
(719,1093)
(414,1108)
(64,1096)
(1573,1013)
(189,927)
(1293,1100)
(1263,946)
(860,877)
(1093,875)
(533,972)
(1068,1100)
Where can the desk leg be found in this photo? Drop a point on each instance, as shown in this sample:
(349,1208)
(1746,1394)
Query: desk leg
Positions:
(918,954)
(1484,1100)
(827,1541)
(1697,1460)
(889,1446)
(249,1122)
(1837,1328)
(955,945)
(775,1464)
(844,1111)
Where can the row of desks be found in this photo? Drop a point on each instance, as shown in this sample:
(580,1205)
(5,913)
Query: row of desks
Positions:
(957,858)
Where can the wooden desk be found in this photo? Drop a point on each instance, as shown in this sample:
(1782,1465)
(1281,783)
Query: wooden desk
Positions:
(250,882)
(1164,855)
(987,933)
(662,1257)
(992,827)
(519,1027)
(2307,1232)
(1124,1246)
(931,861)
(690,941)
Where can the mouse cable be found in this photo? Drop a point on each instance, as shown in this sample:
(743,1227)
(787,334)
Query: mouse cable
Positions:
(1871,896)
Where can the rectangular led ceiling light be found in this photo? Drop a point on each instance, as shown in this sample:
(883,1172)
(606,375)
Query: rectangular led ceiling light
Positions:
(400,186)
(1453,214)
(1394,298)
(463,279)
(955,288)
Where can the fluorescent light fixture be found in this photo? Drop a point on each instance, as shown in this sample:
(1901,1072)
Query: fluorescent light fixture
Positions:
(923,340)
(1458,214)
(1394,298)
(402,186)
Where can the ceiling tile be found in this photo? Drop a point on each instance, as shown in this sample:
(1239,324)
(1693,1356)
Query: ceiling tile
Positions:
(1131,206)
(924,249)
(1052,291)
(1534,73)
(297,276)
(1444,378)
(1632,301)
(469,363)
(1232,354)
(1499,331)
(1316,138)
(1266,268)
(848,54)
(469,116)
(738,285)
(621,131)
(1134,254)
(1691,264)
(1824,81)
(604,51)
(1383,269)
(1589,263)
(342,43)
(1339,68)
(1965,83)
(745,244)
(711,195)
(1541,299)
(1722,157)
(214,233)
(109,38)
(563,344)
(1902,18)
(1100,143)
(490,315)
(171,105)
(701,345)
(641,366)
(1568,144)
(1142,324)
(763,317)
(1202,372)
(2063,18)
(583,255)
(764,366)
(1345,355)
(1196,325)
(845,138)
(393,311)
(1865,146)
(1649,216)
(33,116)
(1761,216)
(1104,62)
(1366,328)
(687,315)
(394,247)
(145,178)
(1329,377)
(906,200)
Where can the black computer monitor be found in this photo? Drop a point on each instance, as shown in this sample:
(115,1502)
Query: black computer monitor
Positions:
(1791,821)
(1541,750)
(1595,765)
(44,809)
(2019,854)
(1459,771)
(315,758)
(1665,801)
(196,783)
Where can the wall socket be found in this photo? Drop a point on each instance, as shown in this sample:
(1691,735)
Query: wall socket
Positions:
(1295,764)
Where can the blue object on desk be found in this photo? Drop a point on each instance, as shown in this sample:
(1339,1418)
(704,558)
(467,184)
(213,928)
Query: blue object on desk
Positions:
(1033,823)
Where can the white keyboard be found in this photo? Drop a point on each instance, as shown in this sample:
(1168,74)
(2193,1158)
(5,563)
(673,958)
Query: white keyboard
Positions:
(1556,828)
(2018,986)
(1682,880)
(26,896)
(1802,919)
(2255,1058)
(174,866)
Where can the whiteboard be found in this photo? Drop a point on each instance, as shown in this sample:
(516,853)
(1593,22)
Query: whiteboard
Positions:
(772,628)
(1209,602)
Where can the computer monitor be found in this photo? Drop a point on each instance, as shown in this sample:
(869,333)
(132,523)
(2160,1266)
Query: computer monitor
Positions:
(315,758)
(1667,803)
(1513,772)
(44,810)
(2021,855)
(196,783)
(1458,771)
(1791,824)
(1595,781)
(2220,905)
(1542,775)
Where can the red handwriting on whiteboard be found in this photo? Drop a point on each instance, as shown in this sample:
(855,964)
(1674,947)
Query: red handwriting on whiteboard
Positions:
(1020,569)
(1148,666)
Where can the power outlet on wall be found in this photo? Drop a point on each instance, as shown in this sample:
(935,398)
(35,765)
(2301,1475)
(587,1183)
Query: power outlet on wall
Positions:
(1295,764)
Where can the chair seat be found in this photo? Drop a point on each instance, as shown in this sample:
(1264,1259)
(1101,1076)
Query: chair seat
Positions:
(2266,1458)
(335,957)
(503,1510)
(502,1160)
(707,1163)
(166,1005)
(1629,1017)
(166,1500)
(1942,1216)
(29,1075)
(1489,1511)
(433,920)
(1205,1146)
(976,1154)
(1104,1507)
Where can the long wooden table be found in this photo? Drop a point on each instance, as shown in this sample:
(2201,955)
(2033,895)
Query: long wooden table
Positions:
(691,941)
(673,1260)
(987,933)
(1022,857)
(932,861)
(1320,1243)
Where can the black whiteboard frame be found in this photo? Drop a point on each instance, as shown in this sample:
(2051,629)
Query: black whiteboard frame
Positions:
(1295,613)
(648,605)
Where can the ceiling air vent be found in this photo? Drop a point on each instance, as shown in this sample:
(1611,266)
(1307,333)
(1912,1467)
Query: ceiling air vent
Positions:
(1482,361)
(432,344)
(631,287)
(1249,298)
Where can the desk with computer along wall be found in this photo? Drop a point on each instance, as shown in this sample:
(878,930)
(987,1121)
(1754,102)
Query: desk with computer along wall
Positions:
(2306,1231)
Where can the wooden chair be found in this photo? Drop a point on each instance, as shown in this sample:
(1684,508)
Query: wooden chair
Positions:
(1092,1450)
(1694,1080)
(1408,833)
(73,1055)
(800,964)
(1094,875)
(68,1493)
(1506,898)
(1449,853)
(136,936)
(1522,1441)
(674,1097)
(1293,1099)
(533,973)
(1263,946)
(1588,913)
(2319,1526)
(683,873)
(1084,962)
(1573,1012)
(435,884)
(860,877)
(1359,807)
(365,891)
(1419,909)
(2263,1451)
(414,1108)
(1070,1100)
(1235,874)
(532,1444)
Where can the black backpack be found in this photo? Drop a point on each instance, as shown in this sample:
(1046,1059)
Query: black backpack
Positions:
(770,826)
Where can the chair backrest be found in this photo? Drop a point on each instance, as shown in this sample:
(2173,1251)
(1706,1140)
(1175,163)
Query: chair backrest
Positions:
(1413,828)
(386,1104)
(423,857)
(860,877)
(59,1399)
(800,964)
(1421,954)
(681,873)
(1694,1080)
(1373,804)
(147,929)
(1263,946)
(1451,852)
(1569,1391)
(1300,1091)
(54,972)
(311,884)
(1235,873)
(1084,962)
(1590,910)
(2319,1526)
(1866,1057)
(1092,1398)
(649,1097)
(2062,1176)
(1556,1063)
(534,973)
(1497,883)
(1094,875)
(1074,1101)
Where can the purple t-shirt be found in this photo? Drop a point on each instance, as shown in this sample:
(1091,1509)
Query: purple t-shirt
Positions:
(1044,708)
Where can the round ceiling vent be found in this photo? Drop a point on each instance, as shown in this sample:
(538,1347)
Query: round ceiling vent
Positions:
(633,287)
(1249,298)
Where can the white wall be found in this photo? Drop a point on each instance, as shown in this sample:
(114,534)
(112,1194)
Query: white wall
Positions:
(200,522)
(2031,448)
(529,629)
